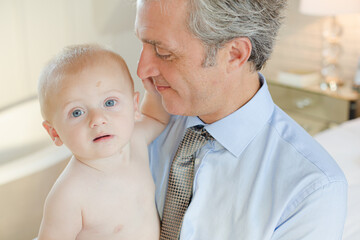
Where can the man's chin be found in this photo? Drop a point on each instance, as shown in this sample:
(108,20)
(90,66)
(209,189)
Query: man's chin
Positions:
(174,109)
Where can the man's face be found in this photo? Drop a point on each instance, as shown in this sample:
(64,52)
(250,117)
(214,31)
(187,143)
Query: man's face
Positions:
(172,57)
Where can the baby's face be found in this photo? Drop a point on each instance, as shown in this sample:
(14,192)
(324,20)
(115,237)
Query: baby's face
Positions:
(94,111)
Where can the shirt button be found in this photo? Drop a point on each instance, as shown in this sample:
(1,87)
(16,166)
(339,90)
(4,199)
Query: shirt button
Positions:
(197,161)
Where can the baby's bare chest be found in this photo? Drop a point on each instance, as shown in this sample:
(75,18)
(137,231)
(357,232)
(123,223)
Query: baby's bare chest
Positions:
(121,208)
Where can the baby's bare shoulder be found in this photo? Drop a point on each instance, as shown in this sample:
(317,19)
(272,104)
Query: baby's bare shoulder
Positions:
(71,185)
(67,186)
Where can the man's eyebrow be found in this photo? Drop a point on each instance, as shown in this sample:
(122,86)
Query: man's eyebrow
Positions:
(152,42)
(156,43)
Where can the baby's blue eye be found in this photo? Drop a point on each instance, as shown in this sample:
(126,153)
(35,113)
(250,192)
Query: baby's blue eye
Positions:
(110,103)
(77,113)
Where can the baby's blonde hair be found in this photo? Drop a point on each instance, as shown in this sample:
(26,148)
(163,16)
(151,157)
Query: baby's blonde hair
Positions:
(71,60)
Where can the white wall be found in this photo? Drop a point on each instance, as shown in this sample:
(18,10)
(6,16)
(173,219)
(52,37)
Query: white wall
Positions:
(33,31)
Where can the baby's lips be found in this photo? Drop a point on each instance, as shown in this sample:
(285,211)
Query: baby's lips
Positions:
(105,136)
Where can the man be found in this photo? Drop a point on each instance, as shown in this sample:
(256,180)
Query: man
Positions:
(256,174)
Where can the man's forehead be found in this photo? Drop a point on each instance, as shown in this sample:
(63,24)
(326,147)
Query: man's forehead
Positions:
(146,1)
(153,27)
(163,5)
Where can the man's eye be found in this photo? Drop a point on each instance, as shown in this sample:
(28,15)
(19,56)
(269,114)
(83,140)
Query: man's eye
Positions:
(110,103)
(162,53)
(165,57)
(77,113)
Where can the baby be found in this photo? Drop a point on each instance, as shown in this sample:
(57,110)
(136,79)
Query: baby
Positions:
(106,191)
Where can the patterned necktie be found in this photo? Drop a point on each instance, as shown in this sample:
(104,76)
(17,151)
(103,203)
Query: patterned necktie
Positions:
(180,183)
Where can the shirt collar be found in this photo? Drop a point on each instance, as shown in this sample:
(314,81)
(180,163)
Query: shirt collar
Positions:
(235,131)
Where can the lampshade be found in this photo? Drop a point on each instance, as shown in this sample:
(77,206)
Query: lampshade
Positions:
(329,7)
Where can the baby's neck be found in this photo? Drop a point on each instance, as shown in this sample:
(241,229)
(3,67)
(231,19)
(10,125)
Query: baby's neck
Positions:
(109,164)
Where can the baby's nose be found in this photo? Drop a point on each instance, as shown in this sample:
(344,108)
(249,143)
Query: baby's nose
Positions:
(97,118)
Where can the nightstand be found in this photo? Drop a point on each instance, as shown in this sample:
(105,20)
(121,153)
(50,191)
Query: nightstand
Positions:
(315,109)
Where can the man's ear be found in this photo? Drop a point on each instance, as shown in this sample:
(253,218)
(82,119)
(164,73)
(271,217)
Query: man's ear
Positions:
(136,106)
(52,132)
(239,51)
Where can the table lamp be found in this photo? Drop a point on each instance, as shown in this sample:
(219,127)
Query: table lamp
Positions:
(331,34)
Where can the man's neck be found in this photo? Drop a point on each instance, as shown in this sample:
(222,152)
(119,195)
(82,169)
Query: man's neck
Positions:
(244,89)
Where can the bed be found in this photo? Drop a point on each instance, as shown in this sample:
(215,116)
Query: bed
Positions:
(343,143)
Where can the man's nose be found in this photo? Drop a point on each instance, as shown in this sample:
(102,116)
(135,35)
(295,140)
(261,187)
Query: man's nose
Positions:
(97,118)
(148,63)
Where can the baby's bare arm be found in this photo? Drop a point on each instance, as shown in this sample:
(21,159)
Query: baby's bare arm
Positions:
(155,118)
(151,105)
(62,216)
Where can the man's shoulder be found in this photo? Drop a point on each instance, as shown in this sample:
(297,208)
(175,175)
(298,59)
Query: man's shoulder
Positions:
(293,138)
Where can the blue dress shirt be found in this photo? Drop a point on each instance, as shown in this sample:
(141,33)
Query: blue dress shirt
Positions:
(263,177)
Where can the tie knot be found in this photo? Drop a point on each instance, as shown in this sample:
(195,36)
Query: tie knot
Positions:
(194,139)
(199,129)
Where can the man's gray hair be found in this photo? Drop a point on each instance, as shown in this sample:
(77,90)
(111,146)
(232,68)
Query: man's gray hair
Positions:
(216,22)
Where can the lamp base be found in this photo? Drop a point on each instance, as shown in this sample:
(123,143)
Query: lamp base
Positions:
(331,83)
(330,54)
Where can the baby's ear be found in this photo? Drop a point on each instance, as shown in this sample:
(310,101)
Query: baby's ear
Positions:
(52,132)
(136,106)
